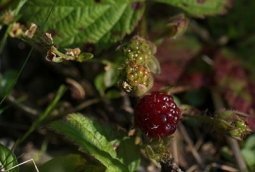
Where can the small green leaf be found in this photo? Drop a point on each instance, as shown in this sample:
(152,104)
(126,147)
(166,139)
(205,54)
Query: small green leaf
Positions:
(111,76)
(99,83)
(84,57)
(249,157)
(89,135)
(7,159)
(79,23)
(7,80)
(250,142)
(154,65)
(107,79)
(200,8)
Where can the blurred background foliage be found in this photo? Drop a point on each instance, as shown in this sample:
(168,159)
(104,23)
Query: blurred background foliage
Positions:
(211,63)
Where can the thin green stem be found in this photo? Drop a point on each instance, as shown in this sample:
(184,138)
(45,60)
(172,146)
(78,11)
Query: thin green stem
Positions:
(54,103)
(17,77)
(16,11)
(19,6)
(48,16)
(9,105)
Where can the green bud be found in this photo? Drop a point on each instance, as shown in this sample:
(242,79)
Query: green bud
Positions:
(240,124)
(235,133)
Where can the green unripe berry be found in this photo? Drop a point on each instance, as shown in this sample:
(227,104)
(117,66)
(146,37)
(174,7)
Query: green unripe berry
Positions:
(136,78)
(235,133)
(240,124)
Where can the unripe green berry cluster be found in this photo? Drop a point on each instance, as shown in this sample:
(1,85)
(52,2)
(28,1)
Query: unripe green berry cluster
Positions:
(139,50)
(239,129)
(136,78)
(137,74)
(233,124)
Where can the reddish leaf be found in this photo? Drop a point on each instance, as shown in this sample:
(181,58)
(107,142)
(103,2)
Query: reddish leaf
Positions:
(173,56)
(197,74)
(232,81)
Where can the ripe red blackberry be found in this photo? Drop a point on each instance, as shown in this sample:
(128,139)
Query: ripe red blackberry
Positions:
(157,115)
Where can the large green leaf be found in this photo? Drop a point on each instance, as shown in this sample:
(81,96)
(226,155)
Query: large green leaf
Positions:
(92,137)
(85,22)
(200,8)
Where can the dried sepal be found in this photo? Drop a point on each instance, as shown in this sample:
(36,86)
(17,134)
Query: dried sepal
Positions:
(46,39)
(30,33)
(54,55)
(128,88)
(43,38)
(7,17)
(176,27)
(73,52)
(17,30)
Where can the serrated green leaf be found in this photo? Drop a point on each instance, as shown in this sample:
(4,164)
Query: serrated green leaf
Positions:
(78,23)
(87,134)
(7,159)
(200,8)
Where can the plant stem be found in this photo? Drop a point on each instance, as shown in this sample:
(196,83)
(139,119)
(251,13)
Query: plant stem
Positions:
(17,77)
(47,111)
(218,102)
(190,144)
